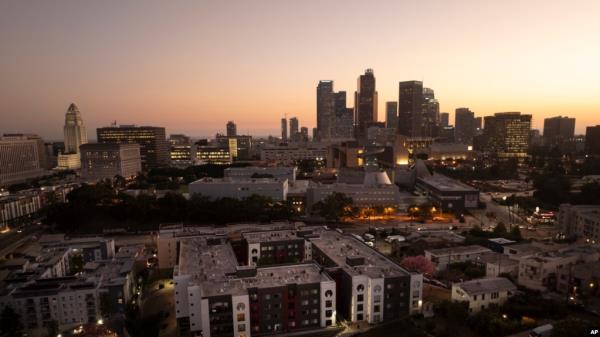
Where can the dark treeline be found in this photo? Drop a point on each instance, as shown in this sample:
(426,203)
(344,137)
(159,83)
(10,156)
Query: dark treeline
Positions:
(92,208)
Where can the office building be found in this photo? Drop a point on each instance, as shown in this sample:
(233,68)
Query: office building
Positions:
(324,109)
(464,126)
(294,127)
(506,135)
(365,103)
(231,129)
(154,148)
(250,172)
(444,119)
(410,108)
(216,188)
(558,131)
(20,159)
(431,114)
(284,130)
(448,194)
(240,146)
(334,120)
(580,221)
(107,161)
(342,123)
(181,150)
(290,154)
(592,140)
(212,155)
(483,293)
(74,130)
(304,134)
(391,115)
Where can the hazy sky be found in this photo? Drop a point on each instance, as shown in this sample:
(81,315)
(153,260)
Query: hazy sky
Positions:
(192,65)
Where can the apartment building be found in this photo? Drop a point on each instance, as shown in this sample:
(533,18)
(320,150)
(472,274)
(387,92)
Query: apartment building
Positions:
(481,293)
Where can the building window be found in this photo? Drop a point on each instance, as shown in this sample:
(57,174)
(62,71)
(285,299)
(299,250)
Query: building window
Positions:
(241,306)
(360,288)
(328,313)
(241,327)
(241,317)
(376,308)
(328,304)
(328,293)
(360,298)
(359,307)
(495,295)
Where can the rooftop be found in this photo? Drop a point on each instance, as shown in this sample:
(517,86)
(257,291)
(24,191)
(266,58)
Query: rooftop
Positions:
(269,236)
(472,249)
(486,285)
(339,247)
(444,183)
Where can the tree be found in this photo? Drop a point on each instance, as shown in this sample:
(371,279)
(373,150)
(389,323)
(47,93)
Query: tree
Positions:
(10,322)
(334,206)
(418,264)
(500,228)
(52,328)
(107,305)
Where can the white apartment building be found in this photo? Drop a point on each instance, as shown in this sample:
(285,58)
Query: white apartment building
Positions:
(442,257)
(481,293)
(580,221)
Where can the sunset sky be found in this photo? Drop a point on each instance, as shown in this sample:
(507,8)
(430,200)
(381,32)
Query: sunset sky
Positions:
(192,65)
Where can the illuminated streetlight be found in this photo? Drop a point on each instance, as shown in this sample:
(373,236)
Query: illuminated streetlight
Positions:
(100,321)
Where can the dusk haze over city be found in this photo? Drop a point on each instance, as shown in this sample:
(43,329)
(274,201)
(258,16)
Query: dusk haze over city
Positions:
(330,168)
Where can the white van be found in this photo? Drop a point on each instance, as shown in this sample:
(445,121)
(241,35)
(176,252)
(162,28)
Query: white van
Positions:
(542,331)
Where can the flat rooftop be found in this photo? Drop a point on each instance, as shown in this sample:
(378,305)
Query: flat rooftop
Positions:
(266,277)
(338,247)
(447,184)
(270,236)
(234,181)
(472,249)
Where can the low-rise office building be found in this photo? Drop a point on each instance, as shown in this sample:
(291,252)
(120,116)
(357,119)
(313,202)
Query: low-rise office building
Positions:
(216,188)
(211,155)
(249,172)
(481,293)
(448,194)
(106,161)
(289,155)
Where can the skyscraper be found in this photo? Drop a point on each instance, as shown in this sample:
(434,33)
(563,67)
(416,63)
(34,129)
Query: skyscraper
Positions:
(304,133)
(464,126)
(592,140)
(294,126)
(284,131)
(342,122)
(231,129)
(154,148)
(431,114)
(391,115)
(558,131)
(324,109)
(365,103)
(334,120)
(410,108)
(444,119)
(506,134)
(74,130)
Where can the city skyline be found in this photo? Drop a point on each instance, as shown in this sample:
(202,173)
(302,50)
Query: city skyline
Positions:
(179,67)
